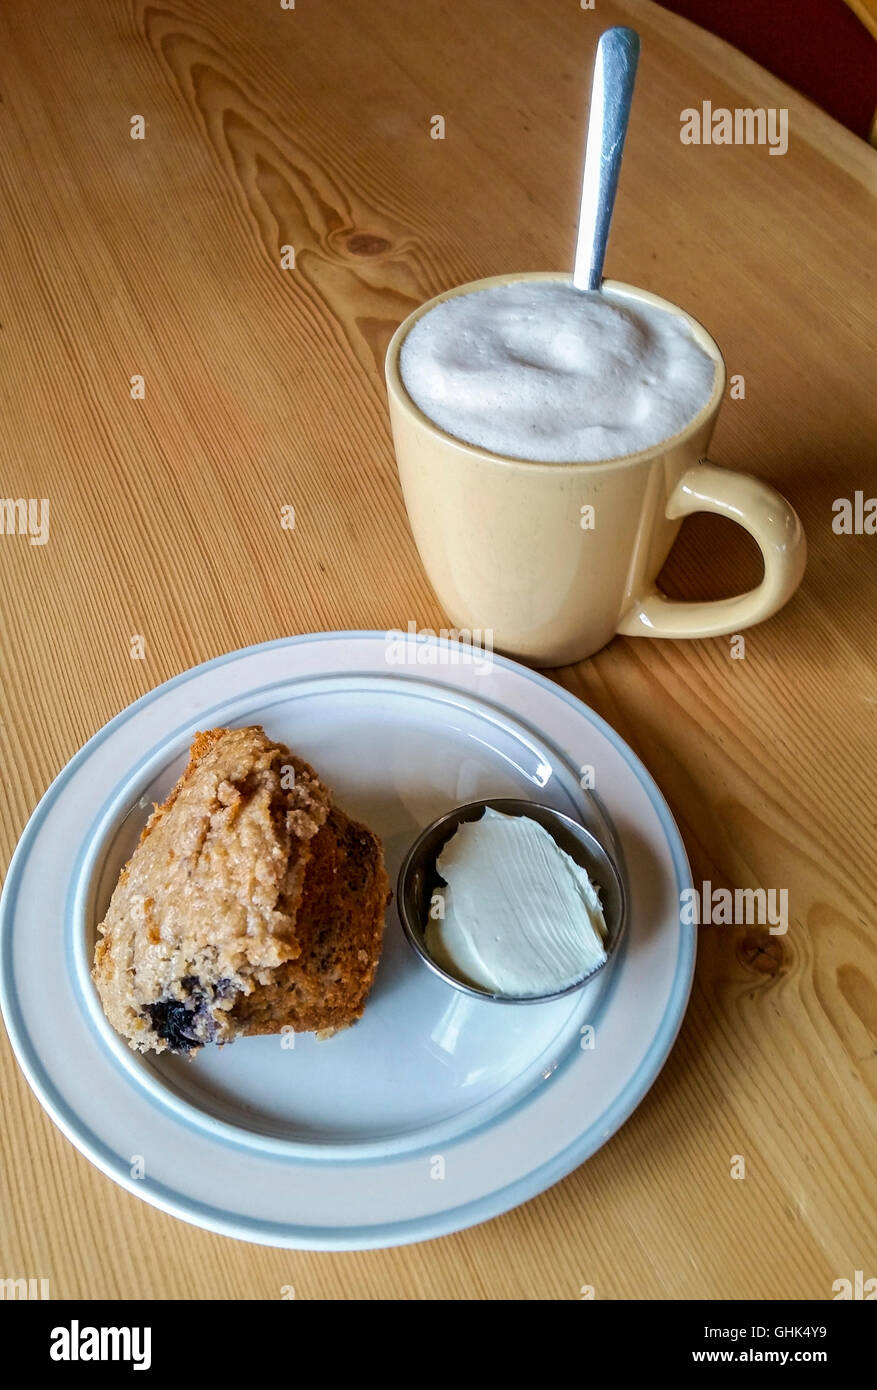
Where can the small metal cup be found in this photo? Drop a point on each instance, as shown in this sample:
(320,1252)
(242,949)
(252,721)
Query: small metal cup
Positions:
(419,878)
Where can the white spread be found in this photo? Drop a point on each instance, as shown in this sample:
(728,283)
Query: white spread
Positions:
(520,917)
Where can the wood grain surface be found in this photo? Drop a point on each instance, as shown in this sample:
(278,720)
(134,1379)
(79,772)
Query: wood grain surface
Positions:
(161,258)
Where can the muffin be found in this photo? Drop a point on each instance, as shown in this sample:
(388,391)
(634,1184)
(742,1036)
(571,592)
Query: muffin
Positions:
(252,904)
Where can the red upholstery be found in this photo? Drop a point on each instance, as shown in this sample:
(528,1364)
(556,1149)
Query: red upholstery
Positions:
(818,46)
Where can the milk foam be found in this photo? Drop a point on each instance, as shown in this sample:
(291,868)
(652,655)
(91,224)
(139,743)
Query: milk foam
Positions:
(542,371)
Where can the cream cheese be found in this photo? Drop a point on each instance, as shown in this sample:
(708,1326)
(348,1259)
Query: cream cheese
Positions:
(518,915)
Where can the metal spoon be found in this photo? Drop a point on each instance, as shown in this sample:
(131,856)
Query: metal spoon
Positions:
(611,97)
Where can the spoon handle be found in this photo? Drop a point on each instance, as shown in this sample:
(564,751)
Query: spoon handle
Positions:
(611,96)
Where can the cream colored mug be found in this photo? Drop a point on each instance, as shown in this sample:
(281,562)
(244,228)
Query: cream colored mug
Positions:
(512,548)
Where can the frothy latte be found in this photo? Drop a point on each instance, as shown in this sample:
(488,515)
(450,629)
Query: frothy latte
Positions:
(539,370)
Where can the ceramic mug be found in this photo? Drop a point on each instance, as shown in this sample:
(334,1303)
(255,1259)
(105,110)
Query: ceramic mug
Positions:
(554,559)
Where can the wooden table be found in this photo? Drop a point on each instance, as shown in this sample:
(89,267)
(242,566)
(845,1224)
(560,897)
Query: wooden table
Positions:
(160,258)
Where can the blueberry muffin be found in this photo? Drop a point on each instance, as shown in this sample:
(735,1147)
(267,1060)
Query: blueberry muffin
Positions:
(251,904)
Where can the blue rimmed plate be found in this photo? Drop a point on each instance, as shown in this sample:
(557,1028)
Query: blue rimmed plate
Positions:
(436,1111)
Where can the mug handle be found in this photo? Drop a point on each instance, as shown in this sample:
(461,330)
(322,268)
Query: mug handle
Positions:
(767,517)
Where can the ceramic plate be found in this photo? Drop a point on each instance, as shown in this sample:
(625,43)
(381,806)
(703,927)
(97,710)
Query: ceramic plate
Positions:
(437,1110)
